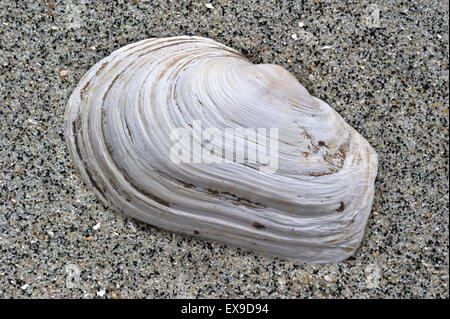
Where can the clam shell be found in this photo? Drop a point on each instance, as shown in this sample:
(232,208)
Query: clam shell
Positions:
(118,122)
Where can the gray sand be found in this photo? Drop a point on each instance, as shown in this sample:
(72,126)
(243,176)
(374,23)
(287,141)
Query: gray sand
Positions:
(387,78)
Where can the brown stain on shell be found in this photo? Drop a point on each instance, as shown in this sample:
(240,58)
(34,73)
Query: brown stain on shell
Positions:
(258,225)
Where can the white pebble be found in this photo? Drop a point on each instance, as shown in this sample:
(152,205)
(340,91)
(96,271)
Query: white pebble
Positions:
(97,226)
(101,293)
(294,36)
(24,287)
(301,24)
(209,6)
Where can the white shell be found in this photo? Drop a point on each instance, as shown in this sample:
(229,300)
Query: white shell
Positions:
(118,120)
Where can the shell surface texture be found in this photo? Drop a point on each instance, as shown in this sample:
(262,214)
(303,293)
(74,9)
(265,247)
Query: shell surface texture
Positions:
(312,207)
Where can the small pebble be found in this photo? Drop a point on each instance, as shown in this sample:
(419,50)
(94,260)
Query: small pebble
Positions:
(96,226)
